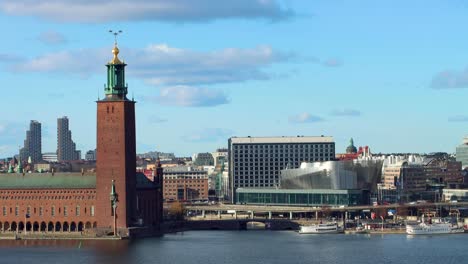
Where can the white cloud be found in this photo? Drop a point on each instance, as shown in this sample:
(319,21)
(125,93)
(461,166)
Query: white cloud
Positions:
(190,96)
(141,10)
(161,64)
(346,112)
(305,118)
(51,37)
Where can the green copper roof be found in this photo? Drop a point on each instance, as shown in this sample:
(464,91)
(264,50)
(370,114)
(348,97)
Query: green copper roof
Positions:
(47,181)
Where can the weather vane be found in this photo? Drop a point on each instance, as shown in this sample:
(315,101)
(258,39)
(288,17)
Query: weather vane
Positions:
(115,33)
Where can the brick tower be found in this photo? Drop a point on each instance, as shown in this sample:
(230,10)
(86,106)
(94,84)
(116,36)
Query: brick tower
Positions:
(116,151)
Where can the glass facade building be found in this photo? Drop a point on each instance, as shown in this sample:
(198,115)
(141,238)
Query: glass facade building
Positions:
(315,197)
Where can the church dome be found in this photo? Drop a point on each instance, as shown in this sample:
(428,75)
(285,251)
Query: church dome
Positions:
(351,148)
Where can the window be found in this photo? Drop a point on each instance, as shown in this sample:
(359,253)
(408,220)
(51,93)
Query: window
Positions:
(16,210)
(77,210)
(41,211)
(92,210)
(4,211)
(65,211)
(52,211)
(28,210)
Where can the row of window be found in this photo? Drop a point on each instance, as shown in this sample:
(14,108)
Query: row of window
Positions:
(182,181)
(54,211)
(282,146)
(283,155)
(82,197)
(47,192)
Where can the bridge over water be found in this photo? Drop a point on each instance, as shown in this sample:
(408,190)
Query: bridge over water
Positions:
(268,212)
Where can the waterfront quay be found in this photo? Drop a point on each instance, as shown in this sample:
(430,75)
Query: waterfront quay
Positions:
(235,217)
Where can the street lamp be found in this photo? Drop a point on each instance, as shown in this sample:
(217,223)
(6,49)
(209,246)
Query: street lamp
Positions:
(114,202)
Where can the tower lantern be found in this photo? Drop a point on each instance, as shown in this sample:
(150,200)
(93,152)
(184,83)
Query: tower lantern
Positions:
(116,87)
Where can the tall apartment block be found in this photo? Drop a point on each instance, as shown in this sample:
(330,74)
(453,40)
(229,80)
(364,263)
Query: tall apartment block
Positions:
(66,148)
(33,143)
(257,161)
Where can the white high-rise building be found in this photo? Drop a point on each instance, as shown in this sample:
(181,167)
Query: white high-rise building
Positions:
(256,162)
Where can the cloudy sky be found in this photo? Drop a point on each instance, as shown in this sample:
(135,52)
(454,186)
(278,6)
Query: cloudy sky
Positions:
(391,74)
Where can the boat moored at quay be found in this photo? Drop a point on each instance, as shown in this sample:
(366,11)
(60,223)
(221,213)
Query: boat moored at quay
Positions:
(431,228)
(332,228)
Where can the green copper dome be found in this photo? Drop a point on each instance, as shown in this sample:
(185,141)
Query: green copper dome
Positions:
(351,148)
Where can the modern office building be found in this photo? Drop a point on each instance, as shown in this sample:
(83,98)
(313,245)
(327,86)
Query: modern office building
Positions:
(256,162)
(33,143)
(66,148)
(462,153)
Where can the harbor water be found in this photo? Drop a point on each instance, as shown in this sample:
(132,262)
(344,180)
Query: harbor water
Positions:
(237,247)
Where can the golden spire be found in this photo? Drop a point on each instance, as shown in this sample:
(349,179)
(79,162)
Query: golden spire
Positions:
(115,50)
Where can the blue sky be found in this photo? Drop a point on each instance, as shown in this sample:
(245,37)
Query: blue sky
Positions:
(391,74)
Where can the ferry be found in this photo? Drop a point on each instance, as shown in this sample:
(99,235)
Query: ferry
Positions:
(432,228)
(321,229)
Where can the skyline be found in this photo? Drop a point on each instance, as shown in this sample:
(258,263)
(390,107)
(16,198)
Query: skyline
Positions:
(202,72)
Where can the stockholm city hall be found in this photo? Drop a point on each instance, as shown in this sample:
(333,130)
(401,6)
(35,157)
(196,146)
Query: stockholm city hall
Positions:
(114,201)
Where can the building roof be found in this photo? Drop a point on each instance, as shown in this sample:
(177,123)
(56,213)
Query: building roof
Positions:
(297,191)
(279,140)
(143,182)
(60,181)
(47,181)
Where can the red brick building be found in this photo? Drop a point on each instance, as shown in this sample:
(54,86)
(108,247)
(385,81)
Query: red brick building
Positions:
(115,198)
(183,184)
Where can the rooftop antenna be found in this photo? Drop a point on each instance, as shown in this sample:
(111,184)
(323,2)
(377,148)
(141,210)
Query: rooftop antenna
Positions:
(115,33)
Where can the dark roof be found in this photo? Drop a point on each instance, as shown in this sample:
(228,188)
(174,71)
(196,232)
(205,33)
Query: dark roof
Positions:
(47,181)
(143,182)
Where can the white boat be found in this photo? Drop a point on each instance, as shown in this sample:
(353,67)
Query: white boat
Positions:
(358,230)
(320,229)
(432,228)
(429,229)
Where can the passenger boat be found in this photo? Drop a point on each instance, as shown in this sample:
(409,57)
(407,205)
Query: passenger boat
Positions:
(321,229)
(432,228)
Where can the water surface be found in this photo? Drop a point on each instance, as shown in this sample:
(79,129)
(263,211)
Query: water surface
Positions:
(269,247)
